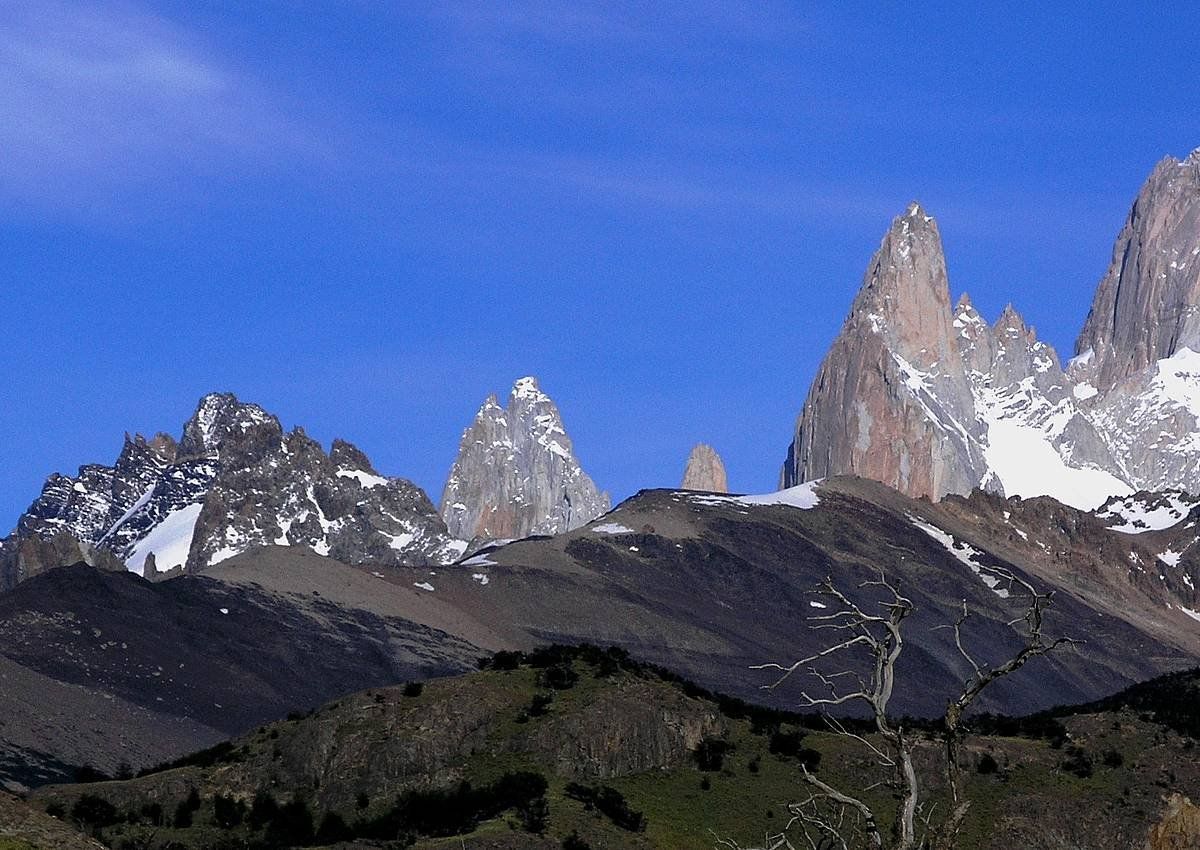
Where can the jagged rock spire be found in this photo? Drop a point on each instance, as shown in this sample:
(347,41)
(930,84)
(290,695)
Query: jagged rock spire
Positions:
(234,481)
(220,417)
(705,470)
(933,401)
(516,472)
(891,400)
(1147,306)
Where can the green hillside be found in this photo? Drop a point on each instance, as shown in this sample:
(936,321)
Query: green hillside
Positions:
(574,748)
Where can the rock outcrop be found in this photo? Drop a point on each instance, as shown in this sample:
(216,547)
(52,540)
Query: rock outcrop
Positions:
(24,558)
(1179,828)
(891,400)
(516,472)
(1137,365)
(705,470)
(1147,307)
(235,479)
(932,401)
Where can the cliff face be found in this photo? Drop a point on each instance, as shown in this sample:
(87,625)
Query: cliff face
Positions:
(933,401)
(1147,307)
(891,400)
(516,473)
(705,470)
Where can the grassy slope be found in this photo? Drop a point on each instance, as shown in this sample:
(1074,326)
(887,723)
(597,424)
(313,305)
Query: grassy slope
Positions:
(1116,803)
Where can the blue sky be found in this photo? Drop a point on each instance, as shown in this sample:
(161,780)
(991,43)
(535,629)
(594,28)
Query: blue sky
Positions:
(366,216)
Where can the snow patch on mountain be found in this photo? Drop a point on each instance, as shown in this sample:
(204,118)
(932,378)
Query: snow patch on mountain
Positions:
(1178,383)
(803,496)
(965,553)
(142,501)
(1144,512)
(1027,465)
(366,479)
(611,528)
(170,541)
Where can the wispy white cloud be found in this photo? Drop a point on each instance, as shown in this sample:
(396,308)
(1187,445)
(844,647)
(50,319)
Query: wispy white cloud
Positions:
(96,99)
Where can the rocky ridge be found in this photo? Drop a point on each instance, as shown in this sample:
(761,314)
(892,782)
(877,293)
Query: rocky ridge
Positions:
(933,401)
(233,480)
(516,473)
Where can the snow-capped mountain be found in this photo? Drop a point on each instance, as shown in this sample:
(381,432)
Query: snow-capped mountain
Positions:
(516,473)
(934,401)
(235,479)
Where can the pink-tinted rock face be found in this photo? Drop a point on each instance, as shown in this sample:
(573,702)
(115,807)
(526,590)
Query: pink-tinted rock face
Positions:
(933,401)
(1147,306)
(891,400)
(705,470)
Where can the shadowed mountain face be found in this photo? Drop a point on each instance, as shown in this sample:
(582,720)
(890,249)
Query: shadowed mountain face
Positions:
(704,584)
(710,585)
(161,669)
(235,479)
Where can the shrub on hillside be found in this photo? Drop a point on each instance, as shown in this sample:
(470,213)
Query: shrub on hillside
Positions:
(456,810)
(710,754)
(610,803)
(94,811)
(1077,762)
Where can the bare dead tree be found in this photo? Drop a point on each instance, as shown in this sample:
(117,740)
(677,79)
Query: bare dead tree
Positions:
(1034,644)
(829,818)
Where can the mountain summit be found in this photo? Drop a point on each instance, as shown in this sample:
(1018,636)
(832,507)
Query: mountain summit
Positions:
(891,401)
(233,480)
(705,470)
(933,401)
(516,472)
(1147,306)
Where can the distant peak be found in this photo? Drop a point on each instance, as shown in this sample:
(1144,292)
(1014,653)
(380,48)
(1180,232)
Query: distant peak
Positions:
(964,304)
(216,401)
(217,416)
(910,228)
(917,213)
(527,388)
(705,470)
(346,455)
(1012,323)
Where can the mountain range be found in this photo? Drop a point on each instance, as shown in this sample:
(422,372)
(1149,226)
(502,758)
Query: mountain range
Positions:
(703,584)
(235,479)
(931,399)
(960,458)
